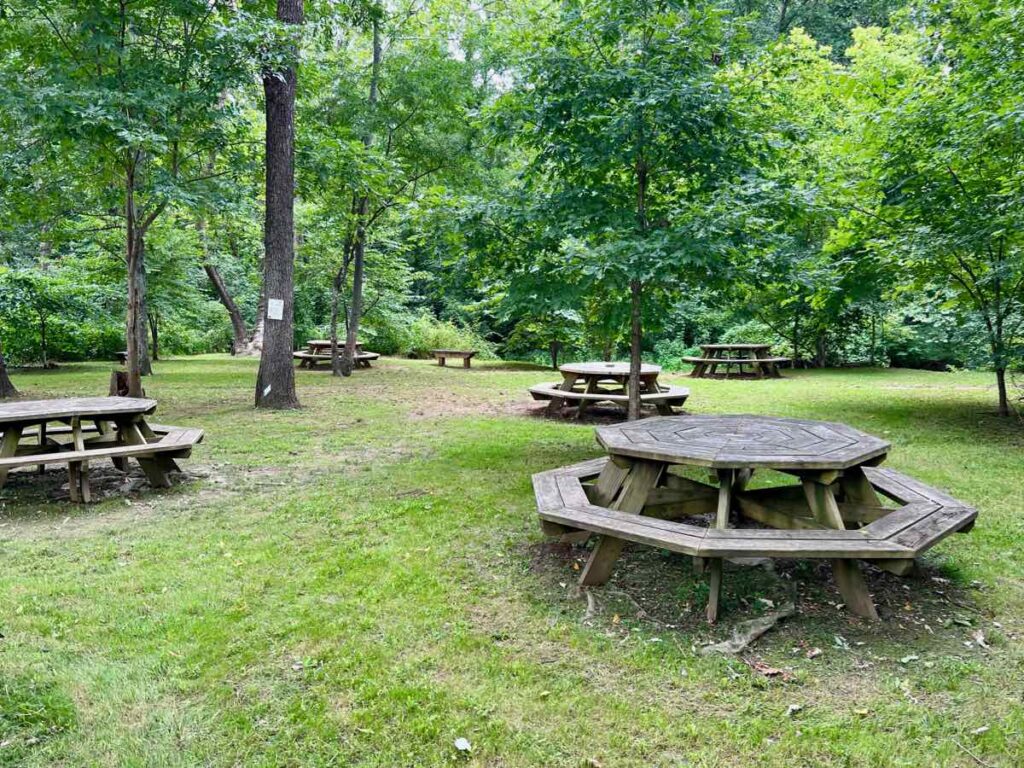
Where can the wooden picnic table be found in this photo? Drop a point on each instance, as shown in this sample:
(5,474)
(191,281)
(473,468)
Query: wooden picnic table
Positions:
(584,384)
(827,458)
(757,357)
(77,430)
(319,351)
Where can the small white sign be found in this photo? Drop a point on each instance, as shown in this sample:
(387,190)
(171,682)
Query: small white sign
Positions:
(266,390)
(275,309)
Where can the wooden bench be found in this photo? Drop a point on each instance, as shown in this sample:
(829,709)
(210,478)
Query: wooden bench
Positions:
(663,400)
(895,536)
(154,446)
(442,355)
(310,360)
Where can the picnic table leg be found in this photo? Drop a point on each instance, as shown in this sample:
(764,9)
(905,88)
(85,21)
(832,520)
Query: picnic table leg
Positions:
(568,382)
(441,361)
(640,480)
(156,471)
(846,572)
(584,404)
(465,362)
(9,447)
(726,479)
(78,471)
(41,469)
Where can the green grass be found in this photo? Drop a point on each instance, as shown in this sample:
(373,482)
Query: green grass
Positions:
(363,581)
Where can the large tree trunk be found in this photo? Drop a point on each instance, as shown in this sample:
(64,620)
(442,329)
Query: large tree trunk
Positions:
(237,322)
(275,383)
(7,388)
(133,263)
(635,339)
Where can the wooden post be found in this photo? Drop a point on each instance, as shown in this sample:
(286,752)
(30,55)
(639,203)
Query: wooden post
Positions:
(642,478)
(846,572)
(9,447)
(726,479)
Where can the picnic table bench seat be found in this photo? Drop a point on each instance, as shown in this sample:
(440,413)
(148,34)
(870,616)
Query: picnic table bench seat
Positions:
(663,399)
(442,355)
(925,517)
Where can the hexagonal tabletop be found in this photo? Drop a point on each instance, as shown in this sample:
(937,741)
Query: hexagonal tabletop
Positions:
(738,442)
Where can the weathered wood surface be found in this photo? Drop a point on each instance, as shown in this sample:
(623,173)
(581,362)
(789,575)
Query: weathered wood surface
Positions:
(310,360)
(176,440)
(743,442)
(632,499)
(442,355)
(672,395)
(611,370)
(62,409)
(319,346)
(757,356)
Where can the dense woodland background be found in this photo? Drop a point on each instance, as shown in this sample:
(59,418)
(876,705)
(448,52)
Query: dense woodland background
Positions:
(842,179)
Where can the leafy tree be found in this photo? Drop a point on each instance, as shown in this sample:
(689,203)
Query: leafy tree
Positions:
(621,106)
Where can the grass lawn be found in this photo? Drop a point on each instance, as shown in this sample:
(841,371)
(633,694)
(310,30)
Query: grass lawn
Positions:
(364,581)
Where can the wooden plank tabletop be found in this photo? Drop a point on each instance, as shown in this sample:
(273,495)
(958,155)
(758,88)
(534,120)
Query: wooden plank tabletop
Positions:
(608,369)
(742,442)
(31,411)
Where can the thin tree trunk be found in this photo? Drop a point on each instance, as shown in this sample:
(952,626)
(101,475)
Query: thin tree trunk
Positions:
(1004,401)
(238,329)
(337,286)
(635,339)
(275,383)
(42,341)
(554,348)
(154,332)
(145,366)
(355,314)
(7,388)
(133,262)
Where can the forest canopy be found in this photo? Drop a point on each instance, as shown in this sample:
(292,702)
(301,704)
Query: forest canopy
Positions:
(540,180)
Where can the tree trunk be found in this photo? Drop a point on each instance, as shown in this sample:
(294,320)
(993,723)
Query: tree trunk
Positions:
(154,332)
(275,383)
(337,286)
(1000,382)
(42,341)
(254,345)
(133,263)
(7,388)
(554,348)
(355,314)
(145,367)
(237,322)
(635,338)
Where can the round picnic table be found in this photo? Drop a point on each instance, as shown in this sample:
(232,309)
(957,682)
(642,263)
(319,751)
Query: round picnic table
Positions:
(77,429)
(758,357)
(323,346)
(594,378)
(827,458)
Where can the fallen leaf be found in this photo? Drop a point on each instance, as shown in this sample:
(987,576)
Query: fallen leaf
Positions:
(813,653)
(979,731)
(792,709)
(979,638)
(463,745)
(910,658)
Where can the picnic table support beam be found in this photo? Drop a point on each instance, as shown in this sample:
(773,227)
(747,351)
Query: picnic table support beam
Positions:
(9,447)
(726,479)
(847,573)
(642,477)
(155,467)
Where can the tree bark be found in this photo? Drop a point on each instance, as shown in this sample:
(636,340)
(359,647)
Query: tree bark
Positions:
(275,383)
(554,347)
(1004,401)
(154,333)
(145,366)
(7,388)
(635,339)
(238,329)
(337,286)
(133,263)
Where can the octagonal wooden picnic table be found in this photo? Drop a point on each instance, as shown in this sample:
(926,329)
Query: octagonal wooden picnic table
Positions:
(588,378)
(826,457)
(79,429)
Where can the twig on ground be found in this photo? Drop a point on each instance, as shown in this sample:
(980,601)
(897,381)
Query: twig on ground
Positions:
(977,759)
